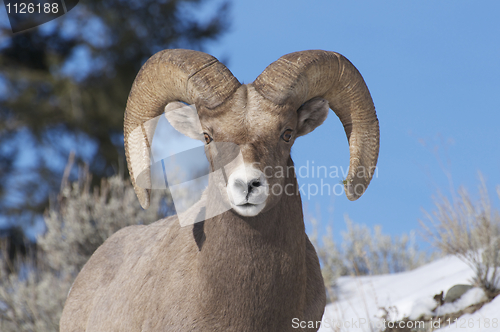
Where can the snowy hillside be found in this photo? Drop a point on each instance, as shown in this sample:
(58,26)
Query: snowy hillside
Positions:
(408,294)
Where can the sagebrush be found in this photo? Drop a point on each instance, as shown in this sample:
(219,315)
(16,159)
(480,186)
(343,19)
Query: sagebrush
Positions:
(365,251)
(32,294)
(469,229)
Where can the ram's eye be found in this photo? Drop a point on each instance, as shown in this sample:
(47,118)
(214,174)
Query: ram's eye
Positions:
(287,135)
(208,139)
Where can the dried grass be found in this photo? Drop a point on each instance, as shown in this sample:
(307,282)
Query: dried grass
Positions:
(32,293)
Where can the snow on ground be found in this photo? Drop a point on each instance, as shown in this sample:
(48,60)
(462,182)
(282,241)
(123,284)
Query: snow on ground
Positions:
(475,295)
(486,319)
(361,299)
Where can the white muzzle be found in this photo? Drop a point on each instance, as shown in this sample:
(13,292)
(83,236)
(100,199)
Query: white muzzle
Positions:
(247,189)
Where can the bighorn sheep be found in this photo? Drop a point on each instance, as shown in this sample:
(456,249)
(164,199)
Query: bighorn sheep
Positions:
(251,268)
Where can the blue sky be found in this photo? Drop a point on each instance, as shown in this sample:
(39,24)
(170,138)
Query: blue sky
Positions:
(433,70)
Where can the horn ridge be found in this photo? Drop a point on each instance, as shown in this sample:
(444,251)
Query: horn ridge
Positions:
(300,76)
(170,75)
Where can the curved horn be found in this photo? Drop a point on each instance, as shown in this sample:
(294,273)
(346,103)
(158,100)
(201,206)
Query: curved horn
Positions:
(170,75)
(297,77)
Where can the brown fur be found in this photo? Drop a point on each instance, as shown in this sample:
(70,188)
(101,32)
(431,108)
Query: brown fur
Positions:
(229,273)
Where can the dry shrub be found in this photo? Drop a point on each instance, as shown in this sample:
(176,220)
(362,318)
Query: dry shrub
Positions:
(364,251)
(32,294)
(469,229)
(373,252)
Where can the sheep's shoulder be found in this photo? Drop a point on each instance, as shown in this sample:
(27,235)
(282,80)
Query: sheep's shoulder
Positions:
(121,277)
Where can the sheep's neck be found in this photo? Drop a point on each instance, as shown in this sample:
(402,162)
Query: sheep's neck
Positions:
(255,264)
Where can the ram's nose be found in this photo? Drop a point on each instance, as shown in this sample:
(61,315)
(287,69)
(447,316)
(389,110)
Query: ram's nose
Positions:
(244,189)
(247,189)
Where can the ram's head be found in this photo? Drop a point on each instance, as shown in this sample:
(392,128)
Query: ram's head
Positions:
(261,120)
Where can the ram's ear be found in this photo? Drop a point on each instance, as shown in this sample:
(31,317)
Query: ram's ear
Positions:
(311,114)
(184,118)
